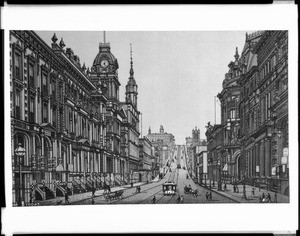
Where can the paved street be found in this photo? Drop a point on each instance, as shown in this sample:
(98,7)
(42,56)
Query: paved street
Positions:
(179,177)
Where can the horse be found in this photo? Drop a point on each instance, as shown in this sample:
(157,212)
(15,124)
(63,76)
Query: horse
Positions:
(187,189)
(194,192)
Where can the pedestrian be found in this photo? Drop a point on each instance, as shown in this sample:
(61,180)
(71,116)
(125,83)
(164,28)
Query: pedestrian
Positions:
(234,188)
(181,199)
(66,198)
(275,197)
(225,187)
(244,194)
(253,192)
(210,196)
(93,201)
(93,192)
(207,196)
(268,197)
(178,199)
(153,201)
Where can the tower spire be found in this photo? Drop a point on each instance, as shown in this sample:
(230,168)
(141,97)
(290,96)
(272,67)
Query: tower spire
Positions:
(104,37)
(131,63)
(236,56)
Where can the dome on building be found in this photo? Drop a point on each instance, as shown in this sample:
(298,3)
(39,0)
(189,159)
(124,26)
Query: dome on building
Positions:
(105,54)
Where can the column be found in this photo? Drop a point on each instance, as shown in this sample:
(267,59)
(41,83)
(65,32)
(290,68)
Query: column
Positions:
(262,159)
(88,162)
(268,158)
(104,163)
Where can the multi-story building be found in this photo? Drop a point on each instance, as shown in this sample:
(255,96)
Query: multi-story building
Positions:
(194,146)
(264,105)
(230,121)
(164,143)
(67,118)
(254,116)
(145,166)
(202,167)
(215,144)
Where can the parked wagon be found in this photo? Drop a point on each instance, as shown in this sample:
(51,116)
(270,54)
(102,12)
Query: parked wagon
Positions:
(169,188)
(113,195)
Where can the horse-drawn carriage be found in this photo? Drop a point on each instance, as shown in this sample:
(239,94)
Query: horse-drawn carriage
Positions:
(169,188)
(113,195)
(190,191)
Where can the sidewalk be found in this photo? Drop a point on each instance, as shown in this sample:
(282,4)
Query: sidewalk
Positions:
(238,197)
(86,195)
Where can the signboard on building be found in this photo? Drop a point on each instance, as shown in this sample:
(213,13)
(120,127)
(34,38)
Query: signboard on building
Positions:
(257,169)
(273,170)
(284,159)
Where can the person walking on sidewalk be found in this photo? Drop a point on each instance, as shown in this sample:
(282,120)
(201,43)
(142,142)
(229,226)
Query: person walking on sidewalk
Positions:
(181,199)
(67,198)
(225,187)
(268,197)
(252,193)
(234,188)
(93,192)
(275,197)
(153,201)
(207,196)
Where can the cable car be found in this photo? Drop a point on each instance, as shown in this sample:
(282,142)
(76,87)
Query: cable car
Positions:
(169,188)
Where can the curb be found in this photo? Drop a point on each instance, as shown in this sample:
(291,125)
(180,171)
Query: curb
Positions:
(216,191)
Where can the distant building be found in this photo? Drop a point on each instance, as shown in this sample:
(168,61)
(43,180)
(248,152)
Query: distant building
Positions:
(146,159)
(163,143)
(202,167)
(194,146)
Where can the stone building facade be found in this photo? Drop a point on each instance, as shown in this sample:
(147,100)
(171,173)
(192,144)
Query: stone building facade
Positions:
(68,118)
(264,133)
(164,143)
(254,116)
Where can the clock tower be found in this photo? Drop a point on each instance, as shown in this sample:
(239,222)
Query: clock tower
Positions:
(104,73)
(105,70)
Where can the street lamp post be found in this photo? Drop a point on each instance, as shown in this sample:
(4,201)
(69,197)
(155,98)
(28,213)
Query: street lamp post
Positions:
(20,152)
(219,179)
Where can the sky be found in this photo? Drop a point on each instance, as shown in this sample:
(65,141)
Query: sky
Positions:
(178,73)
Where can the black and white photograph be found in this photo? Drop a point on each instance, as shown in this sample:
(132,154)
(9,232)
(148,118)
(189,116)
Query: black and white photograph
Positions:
(77,140)
(196,119)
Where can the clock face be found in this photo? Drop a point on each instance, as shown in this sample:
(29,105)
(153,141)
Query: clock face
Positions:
(104,63)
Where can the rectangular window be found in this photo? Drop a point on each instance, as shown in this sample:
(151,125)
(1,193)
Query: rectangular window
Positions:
(31,109)
(44,84)
(18,105)
(17,66)
(269,105)
(45,112)
(54,120)
(71,120)
(53,89)
(31,75)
